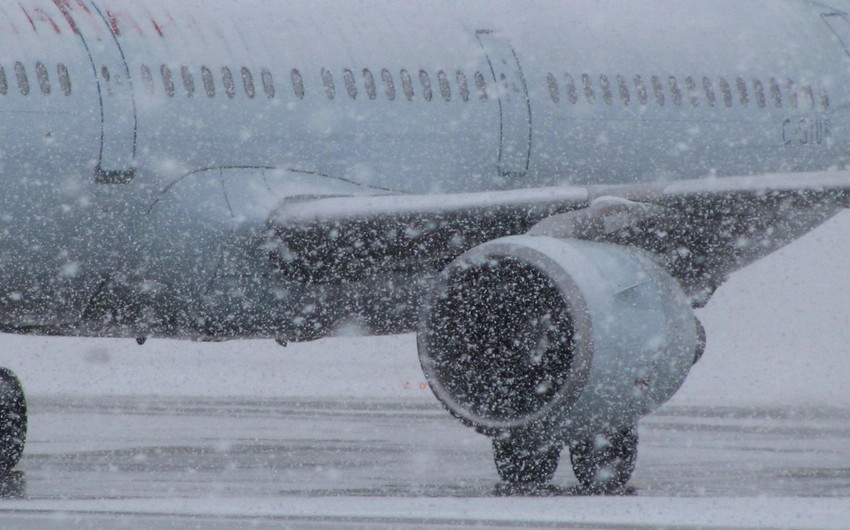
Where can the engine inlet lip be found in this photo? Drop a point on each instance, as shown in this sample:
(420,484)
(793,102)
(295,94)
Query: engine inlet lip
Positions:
(582,353)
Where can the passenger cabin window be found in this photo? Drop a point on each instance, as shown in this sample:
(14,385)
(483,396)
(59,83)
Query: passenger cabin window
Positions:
(389,84)
(625,95)
(425,81)
(758,91)
(228,82)
(658,90)
(725,92)
(188,81)
(328,81)
(407,85)
(248,83)
(640,88)
(463,86)
(297,83)
(572,91)
(693,93)
(64,78)
(209,82)
(369,82)
(23,80)
(710,97)
(147,79)
(554,92)
(167,80)
(482,87)
(589,94)
(445,87)
(607,95)
(43,78)
(350,84)
(268,82)
(675,91)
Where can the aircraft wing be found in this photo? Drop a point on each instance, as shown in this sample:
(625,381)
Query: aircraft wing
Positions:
(702,229)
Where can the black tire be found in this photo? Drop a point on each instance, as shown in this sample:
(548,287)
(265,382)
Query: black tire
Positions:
(13,420)
(521,462)
(604,464)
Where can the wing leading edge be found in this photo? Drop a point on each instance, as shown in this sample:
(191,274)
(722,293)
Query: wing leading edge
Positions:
(701,229)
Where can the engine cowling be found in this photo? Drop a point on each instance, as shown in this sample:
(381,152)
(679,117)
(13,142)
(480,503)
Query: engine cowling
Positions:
(555,336)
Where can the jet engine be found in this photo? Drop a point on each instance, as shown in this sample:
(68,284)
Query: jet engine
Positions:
(543,342)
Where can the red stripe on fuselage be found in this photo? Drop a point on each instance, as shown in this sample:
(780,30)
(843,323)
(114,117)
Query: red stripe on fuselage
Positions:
(65,7)
(42,15)
(82,5)
(113,23)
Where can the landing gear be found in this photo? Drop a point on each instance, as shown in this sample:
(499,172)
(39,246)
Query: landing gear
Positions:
(604,464)
(13,420)
(525,464)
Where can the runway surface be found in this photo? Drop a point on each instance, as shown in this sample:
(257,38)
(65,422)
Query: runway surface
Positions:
(137,462)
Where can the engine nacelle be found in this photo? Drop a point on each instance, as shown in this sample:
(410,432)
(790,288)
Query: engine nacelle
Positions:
(557,337)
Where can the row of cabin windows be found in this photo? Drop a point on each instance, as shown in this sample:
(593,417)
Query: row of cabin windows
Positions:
(410,84)
(20,76)
(243,78)
(773,93)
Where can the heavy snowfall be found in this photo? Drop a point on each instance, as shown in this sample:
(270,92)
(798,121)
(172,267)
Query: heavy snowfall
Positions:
(344,433)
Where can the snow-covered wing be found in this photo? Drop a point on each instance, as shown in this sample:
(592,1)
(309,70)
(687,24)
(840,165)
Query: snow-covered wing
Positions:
(703,228)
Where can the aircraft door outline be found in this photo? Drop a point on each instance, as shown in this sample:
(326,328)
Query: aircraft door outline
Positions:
(514,104)
(839,25)
(116,158)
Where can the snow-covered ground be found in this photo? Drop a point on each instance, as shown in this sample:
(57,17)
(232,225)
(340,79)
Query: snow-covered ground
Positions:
(554,512)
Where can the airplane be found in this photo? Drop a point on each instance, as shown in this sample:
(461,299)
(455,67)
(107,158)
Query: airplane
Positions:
(543,191)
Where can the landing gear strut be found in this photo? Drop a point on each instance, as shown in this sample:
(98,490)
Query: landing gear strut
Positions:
(13,420)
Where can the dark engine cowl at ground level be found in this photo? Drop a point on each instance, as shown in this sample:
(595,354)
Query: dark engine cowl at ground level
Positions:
(556,337)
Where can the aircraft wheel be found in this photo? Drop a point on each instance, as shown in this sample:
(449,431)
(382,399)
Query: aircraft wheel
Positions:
(604,464)
(521,462)
(13,420)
